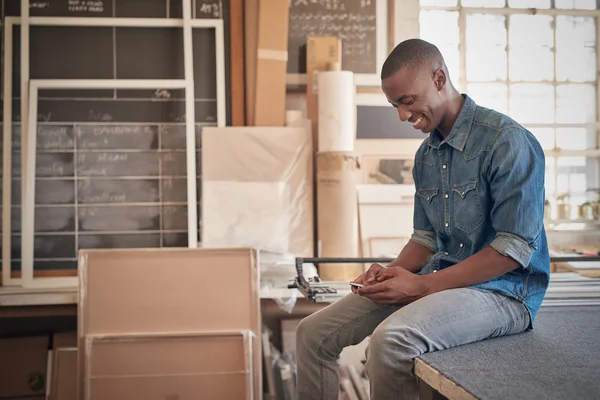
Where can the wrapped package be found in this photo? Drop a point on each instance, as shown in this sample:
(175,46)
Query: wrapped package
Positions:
(257,188)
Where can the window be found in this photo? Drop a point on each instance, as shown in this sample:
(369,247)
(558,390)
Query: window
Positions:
(539,67)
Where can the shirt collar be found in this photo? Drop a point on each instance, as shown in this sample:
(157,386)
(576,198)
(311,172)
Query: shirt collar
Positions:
(460,130)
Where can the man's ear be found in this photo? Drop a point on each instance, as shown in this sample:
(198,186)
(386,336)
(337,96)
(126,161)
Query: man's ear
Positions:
(439,79)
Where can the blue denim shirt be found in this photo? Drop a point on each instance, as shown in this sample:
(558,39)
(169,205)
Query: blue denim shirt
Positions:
(484,186)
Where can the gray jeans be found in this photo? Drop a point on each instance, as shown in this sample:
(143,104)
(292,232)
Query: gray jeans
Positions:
(398,335)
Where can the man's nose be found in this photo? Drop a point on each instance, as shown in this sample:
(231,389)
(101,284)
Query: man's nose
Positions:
(404,114)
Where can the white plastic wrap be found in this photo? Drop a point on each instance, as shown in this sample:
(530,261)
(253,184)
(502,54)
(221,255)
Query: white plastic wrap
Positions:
(257,188)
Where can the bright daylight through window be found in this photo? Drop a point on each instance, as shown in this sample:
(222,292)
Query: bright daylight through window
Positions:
(535,60)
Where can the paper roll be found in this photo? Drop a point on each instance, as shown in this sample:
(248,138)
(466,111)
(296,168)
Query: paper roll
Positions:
(338,173)
(337,111)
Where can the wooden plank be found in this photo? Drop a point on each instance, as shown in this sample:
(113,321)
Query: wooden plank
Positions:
(590,269)
(236,51)
(438,382)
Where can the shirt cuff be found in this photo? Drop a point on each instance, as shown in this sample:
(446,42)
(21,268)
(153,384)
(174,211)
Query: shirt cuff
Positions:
(513,246)
(425,238)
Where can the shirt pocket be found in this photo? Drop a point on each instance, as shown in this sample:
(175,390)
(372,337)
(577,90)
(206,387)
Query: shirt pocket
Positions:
(429,199)
(468,213)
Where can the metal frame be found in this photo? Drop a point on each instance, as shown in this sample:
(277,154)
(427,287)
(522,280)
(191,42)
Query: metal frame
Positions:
(381,34)
(29,122)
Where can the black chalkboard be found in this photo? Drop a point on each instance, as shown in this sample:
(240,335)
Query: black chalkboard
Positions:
(382,122)
(354,21)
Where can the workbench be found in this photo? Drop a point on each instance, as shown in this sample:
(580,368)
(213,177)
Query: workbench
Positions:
(559,359)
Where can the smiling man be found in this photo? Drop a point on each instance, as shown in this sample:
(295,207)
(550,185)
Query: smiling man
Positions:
(477,265)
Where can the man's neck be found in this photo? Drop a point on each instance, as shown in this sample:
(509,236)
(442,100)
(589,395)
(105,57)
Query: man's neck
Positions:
(455,103)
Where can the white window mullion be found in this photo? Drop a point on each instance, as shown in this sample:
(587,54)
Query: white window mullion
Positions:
(462,49)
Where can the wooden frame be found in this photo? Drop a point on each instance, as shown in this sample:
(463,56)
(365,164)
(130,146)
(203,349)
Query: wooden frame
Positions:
(236,62)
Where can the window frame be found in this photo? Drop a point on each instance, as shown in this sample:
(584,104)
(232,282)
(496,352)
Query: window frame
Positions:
(462,84)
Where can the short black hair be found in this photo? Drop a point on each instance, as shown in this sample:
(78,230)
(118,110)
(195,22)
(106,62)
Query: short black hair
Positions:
(412,53)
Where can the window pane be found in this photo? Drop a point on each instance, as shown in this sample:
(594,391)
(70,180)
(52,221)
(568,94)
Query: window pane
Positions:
(439,3)
(531,40)
(490,95)
(575,49)
(576,4)
(441,29)
(549,176)
(532,103)
(486,47)
(575,104)
(483,3)
(545,136)
(529,3)
(572,138)
(567,163)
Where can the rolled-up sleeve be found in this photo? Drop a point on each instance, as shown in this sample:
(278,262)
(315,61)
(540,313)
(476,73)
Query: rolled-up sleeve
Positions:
(516,175)
(425,238)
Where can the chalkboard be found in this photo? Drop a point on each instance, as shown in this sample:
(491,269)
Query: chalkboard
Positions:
(103,185)
(382,122)
(111,164)
(354,21)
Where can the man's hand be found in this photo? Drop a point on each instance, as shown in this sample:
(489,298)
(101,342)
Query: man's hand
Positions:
(396,286)
(373,274)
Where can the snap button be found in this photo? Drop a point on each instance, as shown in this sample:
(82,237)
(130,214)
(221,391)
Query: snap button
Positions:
(462,193)
(446,195)
(461,245)
(427,198)
(444,166)
(447,224)
(445,253)
(434,271)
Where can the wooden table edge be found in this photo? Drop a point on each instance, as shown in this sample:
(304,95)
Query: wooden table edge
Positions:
(437,381)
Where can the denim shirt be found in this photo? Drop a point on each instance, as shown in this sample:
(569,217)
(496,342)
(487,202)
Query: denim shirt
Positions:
(484,186)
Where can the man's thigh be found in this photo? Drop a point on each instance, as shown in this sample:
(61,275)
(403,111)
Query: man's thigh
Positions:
(345,322)
(451,318)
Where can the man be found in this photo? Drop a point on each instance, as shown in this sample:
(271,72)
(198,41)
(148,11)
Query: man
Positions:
(477,265)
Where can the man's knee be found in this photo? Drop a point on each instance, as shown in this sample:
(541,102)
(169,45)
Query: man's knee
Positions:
(392,345)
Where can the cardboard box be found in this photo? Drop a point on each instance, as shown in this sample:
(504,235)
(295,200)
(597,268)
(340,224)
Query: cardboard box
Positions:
(64,339)
(63,380)
(320,52)
(176,290)
(23,366)
(271,63)
(203,365)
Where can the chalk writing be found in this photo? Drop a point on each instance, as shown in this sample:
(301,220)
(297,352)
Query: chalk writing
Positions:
(39,4)
(209,9)
(140,137)
(95,6)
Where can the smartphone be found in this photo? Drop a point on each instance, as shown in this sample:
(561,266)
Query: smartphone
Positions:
(356,284)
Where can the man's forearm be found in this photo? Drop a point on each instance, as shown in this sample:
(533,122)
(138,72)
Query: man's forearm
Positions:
(412,257)
(482,266)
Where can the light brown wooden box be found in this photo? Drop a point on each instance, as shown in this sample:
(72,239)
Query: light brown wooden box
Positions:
(63,379)
(211,365)
(168,291)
